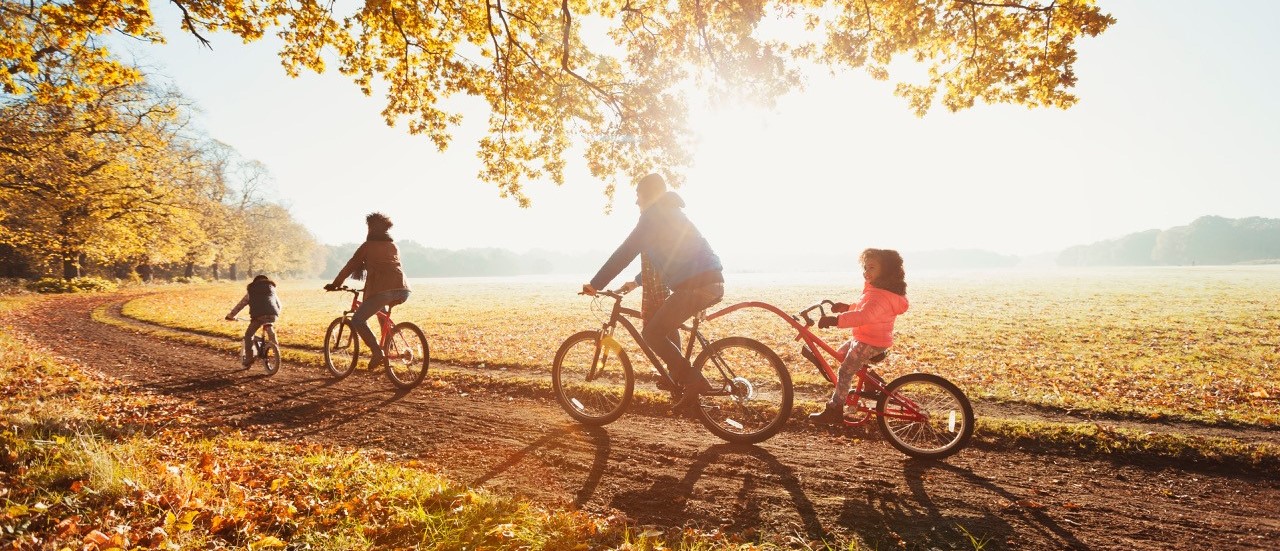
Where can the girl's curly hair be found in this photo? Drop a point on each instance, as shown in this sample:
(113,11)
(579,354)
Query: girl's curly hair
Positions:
(893,277)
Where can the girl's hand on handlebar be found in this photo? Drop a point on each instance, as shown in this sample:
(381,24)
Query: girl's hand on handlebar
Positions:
(587,289)
(838,307)
(827,321)
(330,287)
(628,287)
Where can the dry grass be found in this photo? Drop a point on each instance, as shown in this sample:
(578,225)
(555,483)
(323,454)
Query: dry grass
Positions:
(1198,343)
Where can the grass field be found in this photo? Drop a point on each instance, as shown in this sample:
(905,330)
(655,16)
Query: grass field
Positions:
(1197,342)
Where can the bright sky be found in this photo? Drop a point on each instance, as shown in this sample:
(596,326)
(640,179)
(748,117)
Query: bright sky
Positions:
(1176,119)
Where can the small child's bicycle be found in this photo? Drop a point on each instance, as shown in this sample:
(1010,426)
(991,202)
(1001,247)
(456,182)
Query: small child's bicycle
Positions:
(921,414)
(403,345)
(264,349)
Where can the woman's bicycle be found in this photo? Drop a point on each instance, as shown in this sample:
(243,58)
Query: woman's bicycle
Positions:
(921,414)
(751,391)
(403,345)
(263,348)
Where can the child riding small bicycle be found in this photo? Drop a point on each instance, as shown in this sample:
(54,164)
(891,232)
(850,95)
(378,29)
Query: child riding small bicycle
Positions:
(871,317)
(264,307)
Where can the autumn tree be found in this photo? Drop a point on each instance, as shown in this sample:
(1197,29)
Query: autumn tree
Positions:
(275,243)
(231,187)
(552,82)
(89,179)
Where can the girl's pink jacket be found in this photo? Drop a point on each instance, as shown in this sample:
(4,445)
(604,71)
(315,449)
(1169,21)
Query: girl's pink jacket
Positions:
(872,317)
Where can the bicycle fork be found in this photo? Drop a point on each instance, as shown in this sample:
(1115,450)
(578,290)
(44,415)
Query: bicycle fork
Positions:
(607,345)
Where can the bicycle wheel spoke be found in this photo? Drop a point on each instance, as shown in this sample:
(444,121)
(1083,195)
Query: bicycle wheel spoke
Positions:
(592,384)
(271,357)
(341,348)
(407,355)
(751,396)
(925,416)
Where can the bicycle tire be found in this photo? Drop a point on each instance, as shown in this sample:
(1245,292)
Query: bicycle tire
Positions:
(944,404)
(271,359)
(752,395)
(341,348)
(591,397)
(408,355)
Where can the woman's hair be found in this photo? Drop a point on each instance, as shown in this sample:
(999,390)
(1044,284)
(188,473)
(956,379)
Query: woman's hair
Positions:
(893,277)
(378,224)
(260,277)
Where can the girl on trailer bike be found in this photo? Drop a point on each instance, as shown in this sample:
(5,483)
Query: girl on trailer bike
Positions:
(871,317)
(684,261)
(264,307)
(377,261)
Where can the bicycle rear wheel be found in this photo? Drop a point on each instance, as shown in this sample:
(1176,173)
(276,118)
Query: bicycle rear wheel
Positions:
(751,392)
(408,356)
(925,416)
(593,384)
(270,356)
(341,348)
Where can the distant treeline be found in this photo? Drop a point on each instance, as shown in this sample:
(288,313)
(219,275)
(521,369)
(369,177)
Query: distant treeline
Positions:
(1207,240)
(420,261)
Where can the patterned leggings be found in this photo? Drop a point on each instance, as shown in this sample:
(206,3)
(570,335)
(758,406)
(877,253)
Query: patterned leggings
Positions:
(858,355)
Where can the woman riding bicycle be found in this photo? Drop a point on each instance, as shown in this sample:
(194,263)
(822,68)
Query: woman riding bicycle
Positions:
(377,261)
(684,261)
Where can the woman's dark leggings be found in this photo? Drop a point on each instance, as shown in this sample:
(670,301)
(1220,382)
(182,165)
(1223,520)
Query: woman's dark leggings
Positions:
(368,309)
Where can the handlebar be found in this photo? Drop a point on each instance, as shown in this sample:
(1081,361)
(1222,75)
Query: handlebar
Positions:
(820,307)
(347,289)
(615,295)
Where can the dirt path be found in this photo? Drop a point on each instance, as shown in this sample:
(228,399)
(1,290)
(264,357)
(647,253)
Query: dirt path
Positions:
(669,472)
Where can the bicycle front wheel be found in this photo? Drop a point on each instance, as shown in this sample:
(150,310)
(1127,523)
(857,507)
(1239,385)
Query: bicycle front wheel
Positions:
(594,384)
(925,416)
(270,357)
(408,356)
(341,348)
(751,391)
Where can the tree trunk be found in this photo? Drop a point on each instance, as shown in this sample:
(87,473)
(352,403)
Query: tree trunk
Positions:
(213,269)
(232,271)
(190,271)
(70,266)
(144,270)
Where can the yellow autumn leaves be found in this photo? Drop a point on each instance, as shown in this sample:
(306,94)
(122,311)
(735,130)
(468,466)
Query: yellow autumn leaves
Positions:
(556,75)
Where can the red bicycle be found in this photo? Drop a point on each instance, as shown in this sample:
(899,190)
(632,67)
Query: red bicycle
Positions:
(921,414)
(403,344)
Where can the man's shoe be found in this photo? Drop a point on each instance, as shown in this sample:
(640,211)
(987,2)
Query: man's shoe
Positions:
(832,415)
(691,391)
(377,361)
(665,384)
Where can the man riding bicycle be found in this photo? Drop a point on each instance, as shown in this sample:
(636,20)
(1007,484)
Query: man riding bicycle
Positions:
(685,263)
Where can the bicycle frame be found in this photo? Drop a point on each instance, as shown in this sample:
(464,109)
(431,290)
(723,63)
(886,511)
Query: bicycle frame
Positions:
(384,318)
(260,340)
(867,381)
(619,316)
